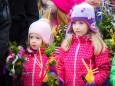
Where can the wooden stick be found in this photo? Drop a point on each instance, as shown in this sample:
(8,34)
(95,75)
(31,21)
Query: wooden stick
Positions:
(95,72)
(95,69)
(85,64)
(40,58)
(90,64)
(39,64)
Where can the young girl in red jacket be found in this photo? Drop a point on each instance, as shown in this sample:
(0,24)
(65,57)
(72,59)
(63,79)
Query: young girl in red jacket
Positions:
(39,34)
(84,57)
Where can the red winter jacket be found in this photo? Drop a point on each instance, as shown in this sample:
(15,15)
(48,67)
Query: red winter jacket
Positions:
(32,69)
(71,69)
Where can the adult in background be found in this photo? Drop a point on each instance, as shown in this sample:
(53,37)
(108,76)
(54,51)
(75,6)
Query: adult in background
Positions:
(66,5)
(4,34)
(23,13)
(62,9)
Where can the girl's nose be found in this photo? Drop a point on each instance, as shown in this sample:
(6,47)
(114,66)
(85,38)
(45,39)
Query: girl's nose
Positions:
(77,26)
(33,40)
(93,1)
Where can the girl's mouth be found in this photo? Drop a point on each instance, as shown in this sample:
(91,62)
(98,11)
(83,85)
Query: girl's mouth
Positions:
(34,45)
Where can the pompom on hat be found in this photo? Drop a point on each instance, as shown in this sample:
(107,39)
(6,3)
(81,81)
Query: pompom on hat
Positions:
(83,12)
(41,27)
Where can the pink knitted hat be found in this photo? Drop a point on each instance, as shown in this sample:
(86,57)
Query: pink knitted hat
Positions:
(41,27)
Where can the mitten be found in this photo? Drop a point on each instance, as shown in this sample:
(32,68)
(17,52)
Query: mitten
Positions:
(89,77)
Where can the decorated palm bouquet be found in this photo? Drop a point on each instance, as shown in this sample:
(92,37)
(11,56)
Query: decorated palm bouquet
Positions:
(111,42)
(108,31)
(15,61)
(50,77)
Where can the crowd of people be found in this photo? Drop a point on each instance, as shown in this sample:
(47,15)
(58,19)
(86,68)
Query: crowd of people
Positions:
(83,58)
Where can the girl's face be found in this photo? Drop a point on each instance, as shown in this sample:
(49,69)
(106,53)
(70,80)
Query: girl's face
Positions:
(80,28)
(35,41)
(94,3)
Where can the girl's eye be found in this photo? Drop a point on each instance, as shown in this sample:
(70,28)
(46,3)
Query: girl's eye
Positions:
(31,37)
(74,22)
(37,38)
(80,22)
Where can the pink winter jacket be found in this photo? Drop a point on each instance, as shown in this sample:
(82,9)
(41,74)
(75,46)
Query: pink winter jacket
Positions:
(71,69)
(66,5)
(32,69)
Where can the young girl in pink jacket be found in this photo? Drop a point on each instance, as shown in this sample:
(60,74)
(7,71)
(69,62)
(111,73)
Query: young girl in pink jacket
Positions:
(84,57)
(39,34)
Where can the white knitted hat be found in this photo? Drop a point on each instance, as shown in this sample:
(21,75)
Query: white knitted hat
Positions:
(84,12)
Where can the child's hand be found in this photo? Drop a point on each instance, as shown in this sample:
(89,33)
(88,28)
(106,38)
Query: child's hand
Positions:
(52,6)
(89,77)
(20,47)
(44,2)
(61,83)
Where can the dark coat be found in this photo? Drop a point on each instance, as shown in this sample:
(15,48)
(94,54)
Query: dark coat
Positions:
(4,34)
(4,29)
(23,13)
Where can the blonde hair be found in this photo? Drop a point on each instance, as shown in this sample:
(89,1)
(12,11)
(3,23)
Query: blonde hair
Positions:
(99,45)
(40,6)
(67,42)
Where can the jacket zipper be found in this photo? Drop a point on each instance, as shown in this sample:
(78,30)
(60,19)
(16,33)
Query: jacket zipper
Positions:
(75,60)
(33,70)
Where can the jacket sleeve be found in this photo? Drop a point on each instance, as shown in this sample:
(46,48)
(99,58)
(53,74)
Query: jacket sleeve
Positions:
(112,72)
(103,64)
(61,68)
